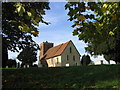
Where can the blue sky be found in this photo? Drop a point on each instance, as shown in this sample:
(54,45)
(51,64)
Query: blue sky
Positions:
(59,31)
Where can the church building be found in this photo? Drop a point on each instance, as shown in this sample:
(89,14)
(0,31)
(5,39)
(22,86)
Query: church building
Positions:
(65,54)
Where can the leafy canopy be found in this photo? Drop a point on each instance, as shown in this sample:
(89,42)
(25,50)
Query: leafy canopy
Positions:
(20,21)
(28,55)
(85,60)
(97,24)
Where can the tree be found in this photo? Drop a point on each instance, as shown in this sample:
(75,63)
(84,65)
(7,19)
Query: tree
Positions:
(19,24)
(85,60)
(28,55)
(99,27)
(11,63)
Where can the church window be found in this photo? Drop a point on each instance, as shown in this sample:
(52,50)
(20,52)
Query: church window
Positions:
(57,61)
(74,58)
(70,50)
(67,57)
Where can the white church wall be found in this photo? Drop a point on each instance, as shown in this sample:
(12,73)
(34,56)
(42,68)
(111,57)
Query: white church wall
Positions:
(54,62)
(74,53)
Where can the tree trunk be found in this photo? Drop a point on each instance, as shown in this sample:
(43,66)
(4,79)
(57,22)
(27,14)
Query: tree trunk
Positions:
(30,65)
(116,62)
(4,55)
(108,61)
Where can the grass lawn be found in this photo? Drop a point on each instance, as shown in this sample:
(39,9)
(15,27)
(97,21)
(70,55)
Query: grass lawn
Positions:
(101,76)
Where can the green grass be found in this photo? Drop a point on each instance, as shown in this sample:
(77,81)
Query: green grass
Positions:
(104,76)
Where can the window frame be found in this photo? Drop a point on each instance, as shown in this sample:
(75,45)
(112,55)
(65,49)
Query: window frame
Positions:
(67,57)
(73,57)
(70,50)
(57,61)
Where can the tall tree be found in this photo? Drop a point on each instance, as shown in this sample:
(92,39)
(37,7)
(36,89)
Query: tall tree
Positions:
(19,23)
(28,55)
(85,60)
(97,24)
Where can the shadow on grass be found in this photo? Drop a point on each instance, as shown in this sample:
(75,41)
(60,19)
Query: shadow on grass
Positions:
(105,76)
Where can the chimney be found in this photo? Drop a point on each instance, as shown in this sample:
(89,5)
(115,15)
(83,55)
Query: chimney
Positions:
(44,47)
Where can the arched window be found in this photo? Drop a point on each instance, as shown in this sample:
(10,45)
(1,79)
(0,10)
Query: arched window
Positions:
(70,50)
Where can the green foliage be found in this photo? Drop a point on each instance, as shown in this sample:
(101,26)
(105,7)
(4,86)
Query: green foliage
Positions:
(19,23)
(28,55)
(99,29)
(108,84)
(33,12)
(85,60)
(82,77)
(11,63)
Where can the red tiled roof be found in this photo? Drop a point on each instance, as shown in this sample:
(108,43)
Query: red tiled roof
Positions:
(56,51)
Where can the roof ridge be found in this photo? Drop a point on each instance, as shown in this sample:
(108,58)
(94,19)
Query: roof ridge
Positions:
(60,44)
(59,47)
(54,47)
(56,50)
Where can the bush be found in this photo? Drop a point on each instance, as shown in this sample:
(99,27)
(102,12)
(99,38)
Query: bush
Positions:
(11,63)
(85,60)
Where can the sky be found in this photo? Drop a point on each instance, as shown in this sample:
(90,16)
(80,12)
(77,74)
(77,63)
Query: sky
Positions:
(59,31)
